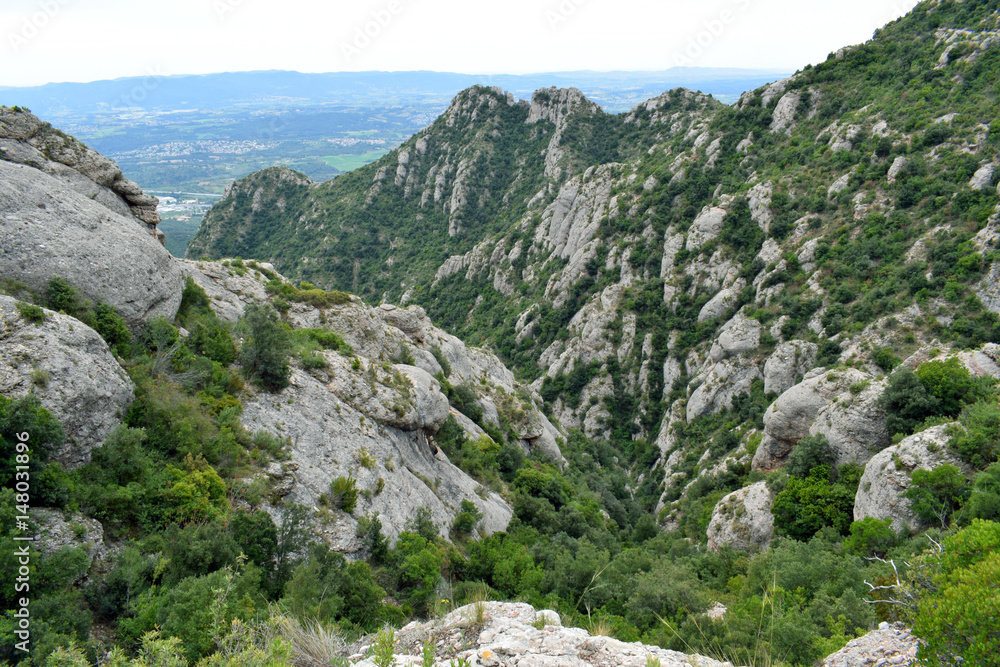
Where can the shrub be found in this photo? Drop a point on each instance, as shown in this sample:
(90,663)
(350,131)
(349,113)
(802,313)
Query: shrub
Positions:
(871,537)
(467,518)
(344,493)
(957,619)
(936,494)
(62,297)
(984,501)
(31,312)
(886,359)
(810,452)
(907,402)
(266,347)
(111,326)
(947,381)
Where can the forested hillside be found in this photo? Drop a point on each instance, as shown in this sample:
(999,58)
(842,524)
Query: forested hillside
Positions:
(719,379)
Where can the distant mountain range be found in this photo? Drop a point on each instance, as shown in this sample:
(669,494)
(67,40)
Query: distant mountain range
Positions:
(269,89)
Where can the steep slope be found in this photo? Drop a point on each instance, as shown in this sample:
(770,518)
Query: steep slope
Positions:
(656,268)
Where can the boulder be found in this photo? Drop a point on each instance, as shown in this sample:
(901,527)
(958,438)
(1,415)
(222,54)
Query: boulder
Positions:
(228,292)
(742,520)
(725,380)
(48,229)
(784,113)
(888,645)
(841,404)
(982,179)
(510,634)
(789,361)
(738,335)
(898,165)
(705,227)
(69,367)
(888,475)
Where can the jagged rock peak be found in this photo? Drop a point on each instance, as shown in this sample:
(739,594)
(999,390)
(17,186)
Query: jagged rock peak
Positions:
(27,140)
(472,102)
(557,104)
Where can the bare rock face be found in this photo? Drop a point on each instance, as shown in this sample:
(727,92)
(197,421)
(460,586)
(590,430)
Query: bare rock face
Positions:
(396,471)
(789,361)
(726,379)
(982,179)
(705,227)
(69,367)
(888,475)
(509,636)
(49,229)
(743,520)
(888,645)
(24,139)
(228,291)
(784,113)
(842,405)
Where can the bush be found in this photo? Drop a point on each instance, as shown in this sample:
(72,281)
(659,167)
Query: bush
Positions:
(907,402)
(936,494)
(886,359)
(949,382)
(266,347)
(984,501)
(31,312)
(957,619)
(344,494)
(810,452)
(871,537)
(467,518)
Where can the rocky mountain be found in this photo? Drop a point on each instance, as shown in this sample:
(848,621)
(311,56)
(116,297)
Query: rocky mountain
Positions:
(691,376)
(686,264)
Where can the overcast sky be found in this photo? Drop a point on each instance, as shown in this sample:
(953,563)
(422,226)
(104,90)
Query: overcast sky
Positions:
(86,40)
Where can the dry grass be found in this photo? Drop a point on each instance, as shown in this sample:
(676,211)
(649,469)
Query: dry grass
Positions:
(313,643)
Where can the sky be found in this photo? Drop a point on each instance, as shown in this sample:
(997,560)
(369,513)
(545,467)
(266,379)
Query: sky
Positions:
(47,41)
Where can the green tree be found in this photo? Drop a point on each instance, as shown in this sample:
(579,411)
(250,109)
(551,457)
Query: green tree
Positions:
(957,618)
(936,494)
(871,537)
(266,347)
(949,382)
(984,501)
(907,402)
(808,453)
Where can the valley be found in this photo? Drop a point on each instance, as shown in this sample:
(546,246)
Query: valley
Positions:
(480,376)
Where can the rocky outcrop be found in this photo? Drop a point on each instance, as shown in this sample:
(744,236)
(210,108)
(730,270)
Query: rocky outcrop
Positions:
(228,291)
(982,179)
(396,470)
(743,520)
(58,531)
(789,361)
(888,475)
(510,636)
(49,229)
(24,139)
(888,645)
(69,367)
(705,227)
(841,404)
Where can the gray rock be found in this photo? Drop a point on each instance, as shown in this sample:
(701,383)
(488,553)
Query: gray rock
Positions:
(889,645)
(983,178)
(725,380)
(412,321)
(738,335)
(840,184)
(888,475)
(789,361)
(898,165)
(784,113)
(508,636)
(331,438)
(69,367)
(743,520)
(823,403)
(57,531)
(725,299)
(705,227)
(228,292)
(48,229)
(988,289)
(24,139)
